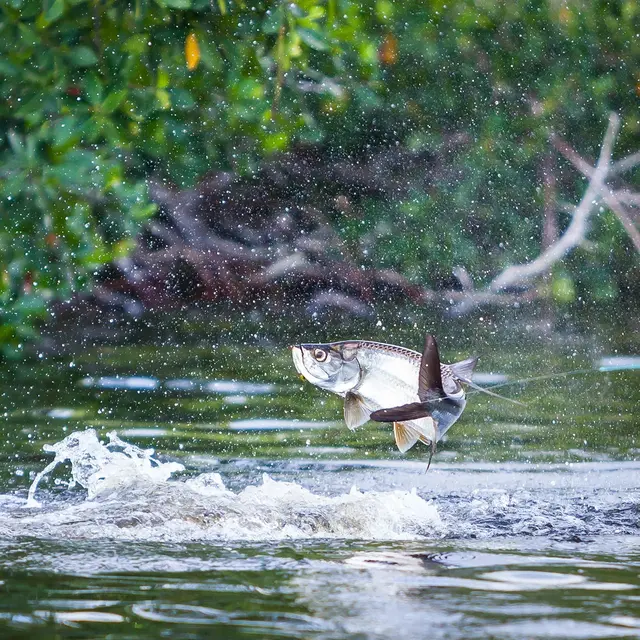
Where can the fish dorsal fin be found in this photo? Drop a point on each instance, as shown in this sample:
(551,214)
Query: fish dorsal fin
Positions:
(405,436)
(356,412)
(464,368)
(430,377)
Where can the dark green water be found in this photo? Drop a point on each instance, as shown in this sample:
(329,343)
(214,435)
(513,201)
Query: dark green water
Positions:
(526,526)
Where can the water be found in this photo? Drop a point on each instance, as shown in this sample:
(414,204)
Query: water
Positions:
(207,492)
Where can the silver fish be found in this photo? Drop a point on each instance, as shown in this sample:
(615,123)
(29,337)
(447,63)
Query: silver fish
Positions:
(419,394)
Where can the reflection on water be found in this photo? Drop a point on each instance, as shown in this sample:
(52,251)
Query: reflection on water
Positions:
(147,383)
(258,514)
(619,363)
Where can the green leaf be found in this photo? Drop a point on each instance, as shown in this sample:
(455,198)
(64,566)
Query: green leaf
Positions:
(294,10)
(55,11)
(181,99)
(313,39)
(210,56)
(15,142)
(93,89)
(562,288)
(91,129)
(83,57)
(8,69)
(65,131)
(137,44)
(175,4)
(113,101)
(273,21)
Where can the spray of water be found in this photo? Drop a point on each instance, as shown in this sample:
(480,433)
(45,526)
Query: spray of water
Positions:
(131,496)
(97,467)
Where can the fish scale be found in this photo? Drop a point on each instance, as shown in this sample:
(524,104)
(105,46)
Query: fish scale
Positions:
(449,382)
(391,379)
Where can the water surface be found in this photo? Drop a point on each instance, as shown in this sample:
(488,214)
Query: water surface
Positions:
(260,515)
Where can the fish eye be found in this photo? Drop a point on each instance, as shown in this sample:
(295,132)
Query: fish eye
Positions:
(320,355)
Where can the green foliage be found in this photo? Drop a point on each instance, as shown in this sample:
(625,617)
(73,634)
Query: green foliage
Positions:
(97,95)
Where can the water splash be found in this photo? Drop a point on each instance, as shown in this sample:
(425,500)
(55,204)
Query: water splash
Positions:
(97,467)
(132,497)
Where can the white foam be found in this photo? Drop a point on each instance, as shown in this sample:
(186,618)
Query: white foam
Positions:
(97,467)
(131,497)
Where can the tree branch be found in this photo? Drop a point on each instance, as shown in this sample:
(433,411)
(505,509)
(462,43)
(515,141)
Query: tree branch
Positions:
(616,206)
(625,164)
(577,229)
(628,197)
(612,200)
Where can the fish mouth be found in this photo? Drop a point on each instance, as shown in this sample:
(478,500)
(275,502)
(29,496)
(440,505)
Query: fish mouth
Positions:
(296,354)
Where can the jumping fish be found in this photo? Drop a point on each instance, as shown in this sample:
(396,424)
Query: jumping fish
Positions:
(420,395)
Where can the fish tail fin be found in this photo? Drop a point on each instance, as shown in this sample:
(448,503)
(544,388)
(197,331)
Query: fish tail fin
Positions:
(464,368)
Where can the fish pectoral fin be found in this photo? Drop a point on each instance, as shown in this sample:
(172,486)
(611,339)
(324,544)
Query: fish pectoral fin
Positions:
(405,436)
(412,411)
(356,412)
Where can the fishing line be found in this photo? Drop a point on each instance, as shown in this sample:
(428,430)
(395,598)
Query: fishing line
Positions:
(547,376)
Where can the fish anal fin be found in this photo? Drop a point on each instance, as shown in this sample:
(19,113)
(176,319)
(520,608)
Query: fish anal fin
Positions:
(405,436)
(426,430)
(356,412)
(464,368)
(430,376)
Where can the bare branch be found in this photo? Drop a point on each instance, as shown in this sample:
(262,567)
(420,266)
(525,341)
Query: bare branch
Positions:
(616,206)
(463,278)
(630,198)
(611,198)
(577,229)
(468,301)
(570,154)
(584,167)
(549,214)
(625,164)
